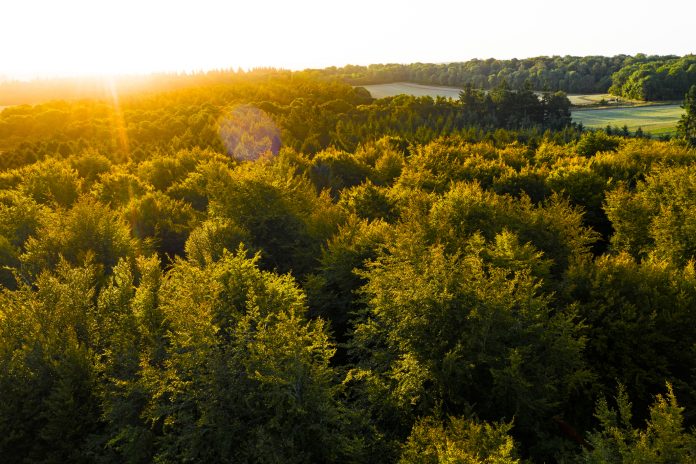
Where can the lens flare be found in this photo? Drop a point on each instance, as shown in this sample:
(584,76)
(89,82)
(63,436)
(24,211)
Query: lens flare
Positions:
(248,133)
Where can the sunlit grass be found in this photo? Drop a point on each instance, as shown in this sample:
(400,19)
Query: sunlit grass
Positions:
(418,90)
(654,119)
(657,120)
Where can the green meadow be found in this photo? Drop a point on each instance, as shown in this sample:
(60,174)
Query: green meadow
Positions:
(417,90)
(656,119)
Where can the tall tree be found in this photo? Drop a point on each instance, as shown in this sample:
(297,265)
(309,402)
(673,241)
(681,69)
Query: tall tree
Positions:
(687,124)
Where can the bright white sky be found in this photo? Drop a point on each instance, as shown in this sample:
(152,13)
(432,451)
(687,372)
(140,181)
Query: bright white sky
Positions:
(73,37)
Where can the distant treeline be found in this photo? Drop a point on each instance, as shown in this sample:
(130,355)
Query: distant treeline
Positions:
(660,79)
(639,77)
(572,74)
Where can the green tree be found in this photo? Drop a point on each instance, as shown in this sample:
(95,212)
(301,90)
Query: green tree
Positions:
(556,110)
(48,347)
(89,230)
(246,376)
(459,441)
(20,218)
(467,329)
(334,170)
(555,227)
(281,213)
(369,201)
(687,124)
(132,330)
(164,222)
(663,440)
(657,218)
(332,290)
(52,182)
(593,142)
(636,322)
(118,187)
(209,240)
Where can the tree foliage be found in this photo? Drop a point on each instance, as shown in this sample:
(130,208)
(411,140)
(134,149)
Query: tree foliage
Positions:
(667,78)
(460,441)
(664,439)
(687,124)
(274,267)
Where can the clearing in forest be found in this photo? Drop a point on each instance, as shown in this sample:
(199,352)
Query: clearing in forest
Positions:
(655,119)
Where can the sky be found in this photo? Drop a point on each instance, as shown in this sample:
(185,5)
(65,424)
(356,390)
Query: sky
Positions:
(42,38)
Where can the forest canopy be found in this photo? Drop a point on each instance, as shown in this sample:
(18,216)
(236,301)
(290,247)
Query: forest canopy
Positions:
(275,267)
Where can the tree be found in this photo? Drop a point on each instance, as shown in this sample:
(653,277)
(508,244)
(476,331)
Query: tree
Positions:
(637,322)
(663,440)
(335,170)
(262,200)
(657,217)
(89,230)
(165,222)
(596,141)
(47,360)
(687,124)
(460,440)
(331,291)
(556,110)
(246,376)
(467,331)
(51,182)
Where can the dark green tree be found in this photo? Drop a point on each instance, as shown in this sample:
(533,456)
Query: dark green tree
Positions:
(593,142)
(686,127)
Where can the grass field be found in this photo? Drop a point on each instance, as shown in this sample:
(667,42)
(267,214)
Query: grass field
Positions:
(418,90)
(653,118)
(397,88)
(657,119)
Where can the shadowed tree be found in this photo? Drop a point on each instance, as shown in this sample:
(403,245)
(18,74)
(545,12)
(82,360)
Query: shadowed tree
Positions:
(687,124)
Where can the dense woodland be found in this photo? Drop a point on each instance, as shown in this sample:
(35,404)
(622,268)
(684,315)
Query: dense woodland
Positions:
(638,77)
(307,114)
(660,79)
(280,269)
(571,74)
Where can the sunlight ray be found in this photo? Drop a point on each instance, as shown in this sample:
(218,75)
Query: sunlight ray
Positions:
(118,123)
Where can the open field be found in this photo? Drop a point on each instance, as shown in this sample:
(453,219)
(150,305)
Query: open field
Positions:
(595,99)
(591,99)
(656,119)
(397,88)
(418,90)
